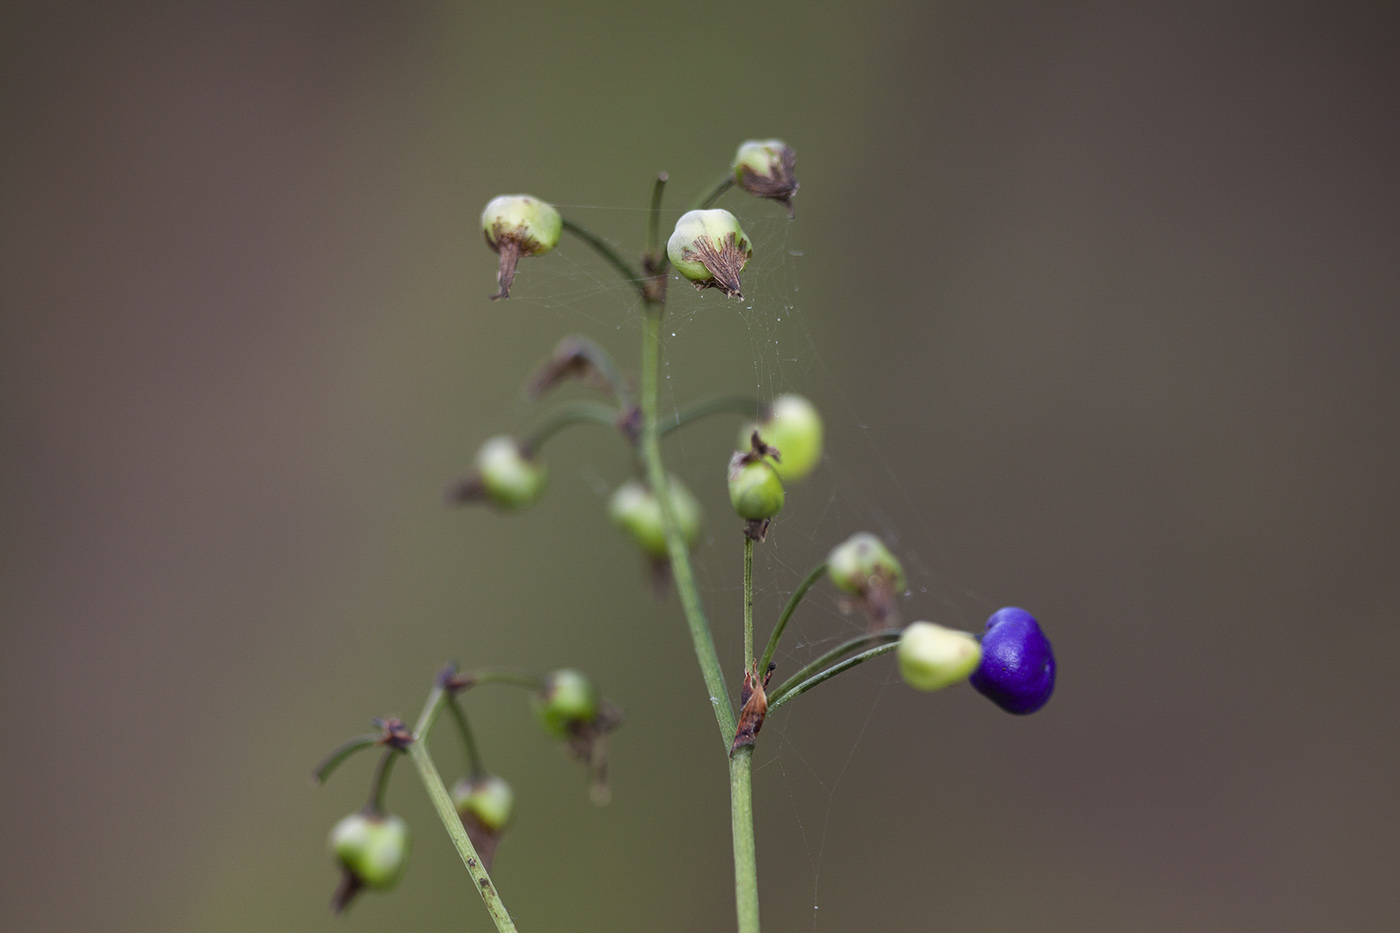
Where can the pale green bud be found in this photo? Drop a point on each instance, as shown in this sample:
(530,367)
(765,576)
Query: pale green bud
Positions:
(488,798)
(755,489)
(518,225)
(932,657)
(565,699)
(637,511)
(794,428)
(862,562)
(710,249)
(763,168)
(374,849)
(509,478)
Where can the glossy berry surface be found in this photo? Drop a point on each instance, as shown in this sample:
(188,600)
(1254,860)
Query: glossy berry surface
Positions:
(1017,671)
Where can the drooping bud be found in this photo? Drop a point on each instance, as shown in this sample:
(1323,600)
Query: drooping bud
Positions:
(710,249)
(372,851)
(484,804)
(794,427)
(763,168)
(504,476)
(518,225)
(755,489)
(566,698)
(636,510)
(1017,671)
(932,657)
(863,567)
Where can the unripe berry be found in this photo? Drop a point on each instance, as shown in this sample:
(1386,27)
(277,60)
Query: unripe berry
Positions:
(566,699)
(710,249)
(857,563)
(637,511)
(794,428)
(932,657)
(763,168)
(509,478)
(488,799)
(1017,671)
(754,487)
(518,225)
(373,849)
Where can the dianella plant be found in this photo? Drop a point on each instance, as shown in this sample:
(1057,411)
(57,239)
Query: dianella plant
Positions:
(778,445)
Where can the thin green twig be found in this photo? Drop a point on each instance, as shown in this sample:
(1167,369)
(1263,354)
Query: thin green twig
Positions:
(840,651)
(831,672)
(579,412)
(797,594)
(474,769)
(341,752)
(607,252)
(745,405)
(712,195)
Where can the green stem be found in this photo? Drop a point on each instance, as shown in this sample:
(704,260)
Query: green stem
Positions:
(341,752)
(654,222)
(580,412)
(380,785)
(840,651)
(442,803)
(748,603)
(708,199)
(607,252)
(745,851)
(788,610)
(474,769)
(831,672)
(745,405)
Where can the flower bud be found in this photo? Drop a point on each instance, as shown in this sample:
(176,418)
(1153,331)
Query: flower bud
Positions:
(710,249)
(932,657)
(1017,671)
(754,486)
(509,478)
(566,700)
(794,428)
(488,799)
(763,168)
(856,563)
(636,510)
(373,849)
(518,225)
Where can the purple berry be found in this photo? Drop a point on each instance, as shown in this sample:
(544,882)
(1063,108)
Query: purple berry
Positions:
(1017,671)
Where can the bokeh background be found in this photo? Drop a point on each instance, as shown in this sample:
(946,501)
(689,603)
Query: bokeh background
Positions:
(1101,300)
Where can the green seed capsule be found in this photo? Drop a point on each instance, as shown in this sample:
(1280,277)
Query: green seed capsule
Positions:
(509,478)
(518,225)
(794,428)
(755,489)
(861,560)
(374,849)
(932,657)
(763,168)
(637,511)
(566,699)
(487,798)
(710,249)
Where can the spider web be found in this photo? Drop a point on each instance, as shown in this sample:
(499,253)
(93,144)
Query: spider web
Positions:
(838,498)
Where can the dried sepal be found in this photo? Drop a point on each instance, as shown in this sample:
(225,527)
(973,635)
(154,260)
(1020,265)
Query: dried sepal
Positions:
(753,702)
(764,168)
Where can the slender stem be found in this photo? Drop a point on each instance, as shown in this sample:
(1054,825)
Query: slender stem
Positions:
(564,416)
(607,252)
(831,672)
(442,803)
(380,785)
(745,405)
(711,196)
(788,610)
(840,651)
(748,603)
(745,851)
(474,769)
(341,752)
(654,220)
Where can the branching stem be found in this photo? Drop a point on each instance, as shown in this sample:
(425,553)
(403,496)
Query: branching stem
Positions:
(784,695)
(797,594)
(580,412)
(745,405)
(708,199)
(474,769)
(602,248)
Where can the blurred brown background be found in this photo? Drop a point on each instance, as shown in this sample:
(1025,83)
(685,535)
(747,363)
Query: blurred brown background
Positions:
(1102,303)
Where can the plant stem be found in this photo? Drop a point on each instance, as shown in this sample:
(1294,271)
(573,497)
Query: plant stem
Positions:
(442,803)
(840,651)
(745,405)
(711,196)
(745,852)
(380,784)
(607,252)
(654,222)
(474,769)
(788,610)
(566,415)
(748,603)
(831,672)
(341,752)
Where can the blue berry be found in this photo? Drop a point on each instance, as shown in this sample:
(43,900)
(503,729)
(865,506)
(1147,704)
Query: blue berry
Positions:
(1017,671)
